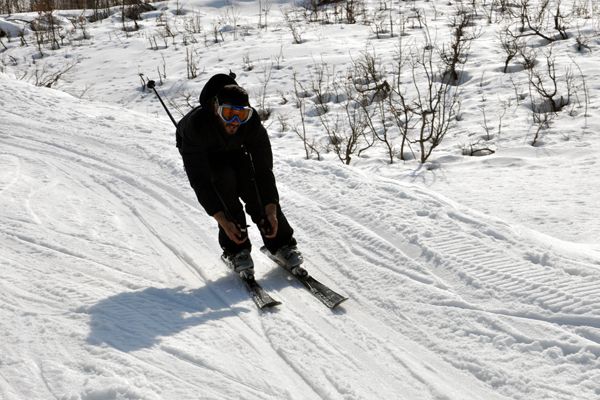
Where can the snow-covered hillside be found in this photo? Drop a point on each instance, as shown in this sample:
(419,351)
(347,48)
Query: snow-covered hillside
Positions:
(467,277)
(112,286)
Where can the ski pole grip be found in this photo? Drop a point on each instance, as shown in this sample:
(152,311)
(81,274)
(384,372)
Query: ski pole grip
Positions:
(265,226)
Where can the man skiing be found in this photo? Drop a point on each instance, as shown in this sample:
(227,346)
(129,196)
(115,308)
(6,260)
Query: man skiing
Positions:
(227,157)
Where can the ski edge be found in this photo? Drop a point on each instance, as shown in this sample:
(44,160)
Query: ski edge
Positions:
(322,292)
(258,294)
(261,298)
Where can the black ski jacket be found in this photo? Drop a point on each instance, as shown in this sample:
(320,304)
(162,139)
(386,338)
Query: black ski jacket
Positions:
(204,147)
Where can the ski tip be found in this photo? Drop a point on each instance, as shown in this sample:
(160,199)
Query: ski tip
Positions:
(334,305)
(264,250)
(272,306)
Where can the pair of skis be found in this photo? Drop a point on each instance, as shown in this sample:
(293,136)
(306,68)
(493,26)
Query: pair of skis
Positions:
(263,300)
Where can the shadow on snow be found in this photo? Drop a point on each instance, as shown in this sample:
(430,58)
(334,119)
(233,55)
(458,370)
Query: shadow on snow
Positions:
(134,320)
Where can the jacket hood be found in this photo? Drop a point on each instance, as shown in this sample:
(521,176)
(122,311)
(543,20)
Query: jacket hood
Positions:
(213,86)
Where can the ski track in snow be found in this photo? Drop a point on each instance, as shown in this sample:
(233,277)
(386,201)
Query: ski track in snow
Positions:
(112,287)
(465,263)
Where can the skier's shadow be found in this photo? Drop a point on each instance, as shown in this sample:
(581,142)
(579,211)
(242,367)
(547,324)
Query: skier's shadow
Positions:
(135,320)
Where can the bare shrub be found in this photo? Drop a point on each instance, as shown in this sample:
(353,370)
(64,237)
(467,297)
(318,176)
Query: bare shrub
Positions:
(586,96)
(528,57)
(344,130)
(582,42)
(247,64)
(279,58)
(44,74)
(191,63)
(456,54)
(193,24)
(264,111)
(321,83)
(134,10)
(534,20)
(433,106)
(541,122)
(544,84)
(381,23)
(477,149)
(162,74)
(46,26)
(372,92)
(351,10)
(511,45)
(399,108)
(293,24)
(310,146)
(346,138)
(216,32)
(264,7)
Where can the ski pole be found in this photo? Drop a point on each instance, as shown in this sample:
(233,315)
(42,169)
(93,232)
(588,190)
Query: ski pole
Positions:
(243,228)
(263,215)
(152,85)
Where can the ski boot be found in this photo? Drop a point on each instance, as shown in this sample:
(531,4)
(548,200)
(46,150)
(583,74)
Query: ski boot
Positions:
(291,257)
(241,263)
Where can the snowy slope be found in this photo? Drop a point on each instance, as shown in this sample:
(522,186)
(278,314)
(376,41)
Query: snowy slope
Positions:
(468,277)
(111,286)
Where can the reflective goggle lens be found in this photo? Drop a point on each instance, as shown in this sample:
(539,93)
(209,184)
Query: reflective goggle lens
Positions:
(231,113)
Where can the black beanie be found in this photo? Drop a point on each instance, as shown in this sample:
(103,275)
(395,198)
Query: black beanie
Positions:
(212,87)
(234,95)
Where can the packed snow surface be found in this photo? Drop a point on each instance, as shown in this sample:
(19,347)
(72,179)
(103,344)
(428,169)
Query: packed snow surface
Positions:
(467,277)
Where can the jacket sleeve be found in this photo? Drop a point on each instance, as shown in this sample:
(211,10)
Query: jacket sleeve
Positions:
(198,172)
(197,168)
(259,148)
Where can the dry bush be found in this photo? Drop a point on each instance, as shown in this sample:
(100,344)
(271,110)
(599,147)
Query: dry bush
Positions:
(544,87)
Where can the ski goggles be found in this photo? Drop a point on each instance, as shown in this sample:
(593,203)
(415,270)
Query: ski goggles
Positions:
(229,113)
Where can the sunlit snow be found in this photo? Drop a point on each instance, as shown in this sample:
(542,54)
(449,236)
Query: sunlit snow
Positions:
(467,277)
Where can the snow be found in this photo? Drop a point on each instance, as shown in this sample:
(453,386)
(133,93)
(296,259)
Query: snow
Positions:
(10,28)
(467,277)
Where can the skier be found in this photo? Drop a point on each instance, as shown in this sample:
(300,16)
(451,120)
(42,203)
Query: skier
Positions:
(227,157)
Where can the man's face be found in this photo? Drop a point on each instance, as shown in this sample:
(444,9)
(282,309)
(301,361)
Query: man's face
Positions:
(231,128)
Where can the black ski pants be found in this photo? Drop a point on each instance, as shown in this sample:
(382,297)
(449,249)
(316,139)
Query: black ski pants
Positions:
(234,182)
